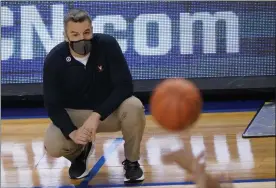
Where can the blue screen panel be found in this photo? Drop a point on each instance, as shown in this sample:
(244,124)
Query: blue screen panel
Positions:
(159,39)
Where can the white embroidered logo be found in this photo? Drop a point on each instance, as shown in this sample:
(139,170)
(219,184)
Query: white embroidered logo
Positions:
(68,59)
(100,67)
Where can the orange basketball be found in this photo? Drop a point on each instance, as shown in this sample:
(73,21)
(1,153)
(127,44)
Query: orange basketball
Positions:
(176,104)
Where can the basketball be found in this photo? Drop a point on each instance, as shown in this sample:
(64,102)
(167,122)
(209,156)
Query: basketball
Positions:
(176,104)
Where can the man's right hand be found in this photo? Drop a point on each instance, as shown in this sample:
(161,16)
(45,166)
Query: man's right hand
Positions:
(80,136)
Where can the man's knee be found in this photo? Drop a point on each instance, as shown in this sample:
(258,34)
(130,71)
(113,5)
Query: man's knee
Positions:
(53,142)
(53,150)
(132,109)
(133,105)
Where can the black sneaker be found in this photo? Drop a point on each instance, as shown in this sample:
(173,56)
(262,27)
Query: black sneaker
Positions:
(133,172)
(78,168)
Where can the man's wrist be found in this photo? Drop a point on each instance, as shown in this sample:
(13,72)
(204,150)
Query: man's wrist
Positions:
(72,134)
(96,115)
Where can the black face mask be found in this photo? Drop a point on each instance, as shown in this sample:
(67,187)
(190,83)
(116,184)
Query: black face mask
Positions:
(81,47)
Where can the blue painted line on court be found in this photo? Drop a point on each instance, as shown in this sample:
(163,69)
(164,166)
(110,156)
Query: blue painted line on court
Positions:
(208,107)
(150,184)
(24,117)
(255,180)
(93,172)
(155,184)
(176,183)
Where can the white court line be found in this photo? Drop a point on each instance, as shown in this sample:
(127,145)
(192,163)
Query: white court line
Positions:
(71,1)
(236,185)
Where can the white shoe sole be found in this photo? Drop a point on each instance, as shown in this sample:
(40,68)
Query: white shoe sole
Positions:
(87,169)
(139,179)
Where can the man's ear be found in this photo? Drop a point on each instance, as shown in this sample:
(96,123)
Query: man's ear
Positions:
(65,37)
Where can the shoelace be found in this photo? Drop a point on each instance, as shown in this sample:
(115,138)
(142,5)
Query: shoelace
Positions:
(130,165)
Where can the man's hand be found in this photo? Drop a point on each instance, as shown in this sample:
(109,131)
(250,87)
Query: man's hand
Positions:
(199,172)
(196,166)
(184,158)
(80,136)
(91,125)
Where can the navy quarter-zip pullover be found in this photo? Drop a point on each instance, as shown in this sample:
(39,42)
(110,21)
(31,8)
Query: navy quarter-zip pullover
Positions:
(102,85)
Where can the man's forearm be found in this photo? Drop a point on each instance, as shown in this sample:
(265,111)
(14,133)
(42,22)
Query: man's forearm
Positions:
(113,101)
(61,119)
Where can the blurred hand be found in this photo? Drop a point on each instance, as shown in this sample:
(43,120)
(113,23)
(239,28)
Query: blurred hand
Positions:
(197,167)
(199,172)
(91,125)
(80,136)
(183,157)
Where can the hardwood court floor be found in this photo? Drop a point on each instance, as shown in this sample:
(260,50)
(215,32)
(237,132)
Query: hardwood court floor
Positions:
(24,163)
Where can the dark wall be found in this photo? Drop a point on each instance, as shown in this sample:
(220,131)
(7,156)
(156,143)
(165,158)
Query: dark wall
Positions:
(208,95)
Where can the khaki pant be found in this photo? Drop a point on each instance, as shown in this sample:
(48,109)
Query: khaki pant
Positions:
(129,118)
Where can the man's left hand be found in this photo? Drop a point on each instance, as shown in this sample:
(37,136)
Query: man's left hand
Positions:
(91,125)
